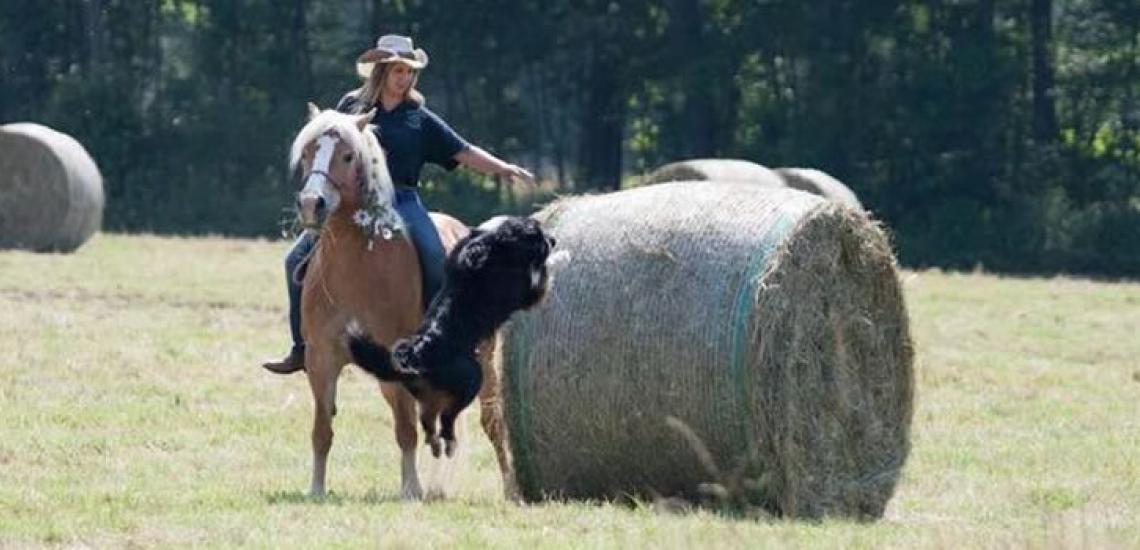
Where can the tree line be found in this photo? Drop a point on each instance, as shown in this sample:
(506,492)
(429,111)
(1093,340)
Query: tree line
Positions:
(1001,133)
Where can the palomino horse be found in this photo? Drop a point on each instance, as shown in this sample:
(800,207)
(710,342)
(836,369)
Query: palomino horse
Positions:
(365,268)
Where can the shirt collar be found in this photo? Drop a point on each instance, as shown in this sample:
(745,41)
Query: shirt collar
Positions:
(402,106)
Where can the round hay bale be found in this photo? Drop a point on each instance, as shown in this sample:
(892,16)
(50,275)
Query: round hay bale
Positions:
(818,182)
(715,169)
(768,323)
(51,192)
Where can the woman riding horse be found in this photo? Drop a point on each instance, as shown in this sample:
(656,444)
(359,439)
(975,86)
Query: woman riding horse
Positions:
(411,135)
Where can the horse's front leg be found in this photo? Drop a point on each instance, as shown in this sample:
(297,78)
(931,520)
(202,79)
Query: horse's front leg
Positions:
(322,372)
(491,413)
(404,414)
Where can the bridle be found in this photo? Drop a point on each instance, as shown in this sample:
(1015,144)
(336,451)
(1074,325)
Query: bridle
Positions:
(338,184)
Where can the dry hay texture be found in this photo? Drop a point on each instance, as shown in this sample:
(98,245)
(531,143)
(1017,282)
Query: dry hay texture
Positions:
(769,321)
(722,170)
(51,192)
(819,183)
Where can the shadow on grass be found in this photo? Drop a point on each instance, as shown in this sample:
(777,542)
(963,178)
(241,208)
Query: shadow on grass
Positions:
(331,499)
(370,498)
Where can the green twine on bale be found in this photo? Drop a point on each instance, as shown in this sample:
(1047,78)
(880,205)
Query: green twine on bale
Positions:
(518,417)
(745,303)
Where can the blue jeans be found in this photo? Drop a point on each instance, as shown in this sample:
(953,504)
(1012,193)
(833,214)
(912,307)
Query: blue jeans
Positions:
(420,229)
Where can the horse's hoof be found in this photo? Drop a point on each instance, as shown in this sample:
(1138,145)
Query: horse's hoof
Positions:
(412,493)
(511,491)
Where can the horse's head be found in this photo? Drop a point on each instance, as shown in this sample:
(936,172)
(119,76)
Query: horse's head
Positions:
(342,167)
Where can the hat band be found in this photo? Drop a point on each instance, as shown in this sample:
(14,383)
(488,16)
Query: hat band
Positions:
(410,56)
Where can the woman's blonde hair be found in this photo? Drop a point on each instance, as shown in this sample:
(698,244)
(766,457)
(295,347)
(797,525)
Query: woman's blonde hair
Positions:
(370,92)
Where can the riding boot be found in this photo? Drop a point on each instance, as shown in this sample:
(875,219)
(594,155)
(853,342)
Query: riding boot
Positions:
(293,362)
(295,267)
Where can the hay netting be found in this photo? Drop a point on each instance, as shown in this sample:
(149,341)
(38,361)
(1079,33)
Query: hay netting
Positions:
(722,170)
(768,321)
(51,192)
(819,183)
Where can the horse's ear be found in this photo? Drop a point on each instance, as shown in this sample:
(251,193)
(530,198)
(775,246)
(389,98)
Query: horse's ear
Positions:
(313,110)
(363,120)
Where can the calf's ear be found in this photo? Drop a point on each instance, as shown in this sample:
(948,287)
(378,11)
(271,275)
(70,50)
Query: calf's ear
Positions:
(474,255)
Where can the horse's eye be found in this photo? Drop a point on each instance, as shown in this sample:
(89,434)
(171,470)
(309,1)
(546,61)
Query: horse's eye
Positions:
(347,158)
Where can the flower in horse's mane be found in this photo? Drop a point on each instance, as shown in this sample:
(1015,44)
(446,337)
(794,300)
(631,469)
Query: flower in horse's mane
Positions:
(377,218)
(362,218)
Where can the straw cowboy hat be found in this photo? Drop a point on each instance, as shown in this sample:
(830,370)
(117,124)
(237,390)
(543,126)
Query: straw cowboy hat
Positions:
(391,48)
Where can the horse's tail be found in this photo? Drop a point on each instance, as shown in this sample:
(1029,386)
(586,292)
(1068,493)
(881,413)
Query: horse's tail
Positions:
(374,358)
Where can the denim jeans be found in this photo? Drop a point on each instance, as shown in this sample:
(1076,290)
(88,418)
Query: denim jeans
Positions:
(420,229)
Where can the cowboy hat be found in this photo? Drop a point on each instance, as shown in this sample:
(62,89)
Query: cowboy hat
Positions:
(391,48)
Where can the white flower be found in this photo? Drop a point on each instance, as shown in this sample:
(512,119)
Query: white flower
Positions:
(362,218)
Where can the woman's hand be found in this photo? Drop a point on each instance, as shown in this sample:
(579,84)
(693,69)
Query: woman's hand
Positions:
(486,163)
(517,172)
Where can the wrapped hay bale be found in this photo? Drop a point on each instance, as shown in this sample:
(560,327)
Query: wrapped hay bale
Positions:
(51,192)
(715,170)
(818,182)
(769,322)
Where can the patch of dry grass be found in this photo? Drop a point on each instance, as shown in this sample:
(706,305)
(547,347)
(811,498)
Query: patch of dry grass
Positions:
(132,411)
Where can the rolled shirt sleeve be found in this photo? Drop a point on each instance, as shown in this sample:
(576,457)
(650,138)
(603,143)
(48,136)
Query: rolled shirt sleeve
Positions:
(441,143)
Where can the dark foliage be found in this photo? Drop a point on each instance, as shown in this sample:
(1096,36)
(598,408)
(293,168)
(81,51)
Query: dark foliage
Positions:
(1001,133)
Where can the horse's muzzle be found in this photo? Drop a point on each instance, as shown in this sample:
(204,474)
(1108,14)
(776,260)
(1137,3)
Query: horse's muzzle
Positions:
(312,210)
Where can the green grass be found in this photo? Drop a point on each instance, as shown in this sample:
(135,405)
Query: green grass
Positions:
(133,413)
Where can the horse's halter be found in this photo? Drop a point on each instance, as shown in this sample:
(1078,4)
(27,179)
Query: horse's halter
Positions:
(322,190)
(326,148)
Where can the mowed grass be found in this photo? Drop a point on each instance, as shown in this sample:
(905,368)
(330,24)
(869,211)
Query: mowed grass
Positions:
(133,412)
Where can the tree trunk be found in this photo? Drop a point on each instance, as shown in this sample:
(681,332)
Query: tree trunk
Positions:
(300,44)
(376,19)
(1044,110)
(542,120)
(692,55)
(602,130)
(95,57)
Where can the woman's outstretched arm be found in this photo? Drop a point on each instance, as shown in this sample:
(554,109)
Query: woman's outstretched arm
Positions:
(481,161)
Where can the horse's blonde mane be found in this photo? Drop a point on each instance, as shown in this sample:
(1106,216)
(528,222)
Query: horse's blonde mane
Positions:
(377,180)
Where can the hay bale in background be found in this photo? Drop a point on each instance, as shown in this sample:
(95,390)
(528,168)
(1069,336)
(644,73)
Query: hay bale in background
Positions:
(768,321)
(716,170)
(819,183)
(51,192)
(808,180)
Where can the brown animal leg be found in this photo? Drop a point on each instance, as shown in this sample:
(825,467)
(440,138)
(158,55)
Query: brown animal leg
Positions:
(322,381)
(491,413)
(404,414)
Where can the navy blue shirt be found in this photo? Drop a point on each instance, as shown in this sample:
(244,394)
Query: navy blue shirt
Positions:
(411,136)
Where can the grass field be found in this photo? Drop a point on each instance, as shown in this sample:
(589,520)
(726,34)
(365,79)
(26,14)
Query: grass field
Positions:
(133,413)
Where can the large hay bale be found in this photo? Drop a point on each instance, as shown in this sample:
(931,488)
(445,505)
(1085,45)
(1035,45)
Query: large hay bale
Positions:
(715,170)
(51,192)
(819,183)
(769,321)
